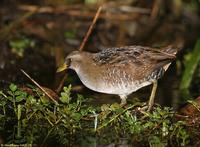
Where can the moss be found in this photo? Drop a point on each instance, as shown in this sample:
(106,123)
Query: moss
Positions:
(29,119)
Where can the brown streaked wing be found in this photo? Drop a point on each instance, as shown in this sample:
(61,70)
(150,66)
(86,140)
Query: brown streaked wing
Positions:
(137,60)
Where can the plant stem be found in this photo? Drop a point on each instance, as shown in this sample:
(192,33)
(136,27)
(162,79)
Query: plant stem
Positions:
(114,117)
(190,67)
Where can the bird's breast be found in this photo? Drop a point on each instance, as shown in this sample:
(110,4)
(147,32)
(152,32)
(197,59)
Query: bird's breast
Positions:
(111,81)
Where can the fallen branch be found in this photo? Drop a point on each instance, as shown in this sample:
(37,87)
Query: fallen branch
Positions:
(40,87)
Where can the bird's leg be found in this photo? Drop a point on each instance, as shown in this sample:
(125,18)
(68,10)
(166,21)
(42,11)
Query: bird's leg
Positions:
(153,93)
(123,100)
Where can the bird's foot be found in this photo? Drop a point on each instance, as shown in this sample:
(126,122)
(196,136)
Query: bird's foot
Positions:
(143,108)
(123,103)
(123,100)
(146,108)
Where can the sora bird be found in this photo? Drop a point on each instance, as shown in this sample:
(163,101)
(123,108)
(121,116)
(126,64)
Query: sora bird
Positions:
(122,70)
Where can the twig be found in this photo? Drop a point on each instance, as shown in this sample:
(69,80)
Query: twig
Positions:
(155,9)
(90,29)
(39,86)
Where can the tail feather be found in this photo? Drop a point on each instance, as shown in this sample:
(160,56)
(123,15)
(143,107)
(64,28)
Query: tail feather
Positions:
(170,50)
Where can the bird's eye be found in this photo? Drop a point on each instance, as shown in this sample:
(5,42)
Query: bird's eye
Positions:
(68,61)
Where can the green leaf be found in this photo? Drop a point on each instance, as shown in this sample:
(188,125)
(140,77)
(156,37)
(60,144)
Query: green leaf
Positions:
(76,116)
(44,100)
(65,96)
(30,99)
(154,141)
(13,87)
(19,98)
(2,102)
(10,98)
(20,95)
(80,98)
(190,67)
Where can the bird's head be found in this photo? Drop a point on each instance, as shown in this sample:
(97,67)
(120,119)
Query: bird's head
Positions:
(72,61)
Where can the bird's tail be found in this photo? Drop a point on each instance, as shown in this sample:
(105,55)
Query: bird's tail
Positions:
(171,51)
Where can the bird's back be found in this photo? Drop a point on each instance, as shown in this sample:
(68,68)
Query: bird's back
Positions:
(140,59)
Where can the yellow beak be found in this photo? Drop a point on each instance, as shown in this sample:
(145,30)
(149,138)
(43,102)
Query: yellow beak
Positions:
(62,67)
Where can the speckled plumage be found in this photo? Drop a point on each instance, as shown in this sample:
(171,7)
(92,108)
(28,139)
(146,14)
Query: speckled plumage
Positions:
(121,70)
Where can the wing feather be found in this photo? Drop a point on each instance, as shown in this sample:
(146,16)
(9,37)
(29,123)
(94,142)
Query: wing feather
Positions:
(134,59)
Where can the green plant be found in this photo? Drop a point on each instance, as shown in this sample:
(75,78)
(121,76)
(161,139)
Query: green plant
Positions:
(192,60)
(37,120)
